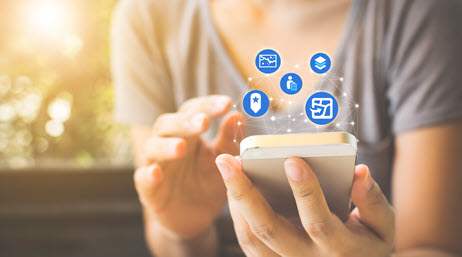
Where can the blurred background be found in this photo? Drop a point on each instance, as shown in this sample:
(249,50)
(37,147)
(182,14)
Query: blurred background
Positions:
(55,87)
(65,166)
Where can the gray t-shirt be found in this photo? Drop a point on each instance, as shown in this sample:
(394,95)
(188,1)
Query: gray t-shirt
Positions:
(400,60)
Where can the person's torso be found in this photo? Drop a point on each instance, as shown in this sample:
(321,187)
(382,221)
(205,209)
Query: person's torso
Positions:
(199,65)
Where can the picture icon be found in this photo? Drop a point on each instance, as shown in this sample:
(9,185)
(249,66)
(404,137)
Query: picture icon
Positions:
(320,63)
(255,103)
(321,108)
(291,83)
(268,61)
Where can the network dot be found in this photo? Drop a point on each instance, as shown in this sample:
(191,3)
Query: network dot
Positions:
(239,123)
(271,99)
(289,130)
(234,141)
(273,118)
(352,123)
(356,105)
(250,79)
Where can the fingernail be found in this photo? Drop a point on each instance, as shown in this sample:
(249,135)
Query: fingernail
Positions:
(198,120)
(293,171)
(368,179)
(224,169)
(172,148)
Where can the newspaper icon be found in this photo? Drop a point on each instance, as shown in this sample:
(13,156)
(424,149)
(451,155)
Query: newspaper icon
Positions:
(267,61)
(322,108)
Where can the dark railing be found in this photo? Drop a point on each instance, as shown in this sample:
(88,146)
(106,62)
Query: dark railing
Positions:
(70,212)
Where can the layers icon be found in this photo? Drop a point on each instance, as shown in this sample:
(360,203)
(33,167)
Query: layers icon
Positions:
(320,63)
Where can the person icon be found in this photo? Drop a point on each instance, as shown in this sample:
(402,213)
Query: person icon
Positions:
(289,82)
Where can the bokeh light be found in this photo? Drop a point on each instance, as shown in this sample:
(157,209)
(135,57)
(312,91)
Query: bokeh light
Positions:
(71,45)
(54,128)
(60,110)
(7,112)
(55,87)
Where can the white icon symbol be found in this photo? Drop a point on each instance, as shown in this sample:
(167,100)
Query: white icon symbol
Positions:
(289,82)
(322,108)
(255,102)
(320,62)
(267,61)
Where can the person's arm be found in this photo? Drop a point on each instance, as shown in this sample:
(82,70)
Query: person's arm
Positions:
(179,188)
(178,185)
(427,191)
(160,241)
(428,207)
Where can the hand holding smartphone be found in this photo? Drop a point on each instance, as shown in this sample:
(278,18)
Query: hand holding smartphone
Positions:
(331,156)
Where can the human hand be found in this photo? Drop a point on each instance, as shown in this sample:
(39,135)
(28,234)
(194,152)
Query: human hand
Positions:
(369,230)
(178,183)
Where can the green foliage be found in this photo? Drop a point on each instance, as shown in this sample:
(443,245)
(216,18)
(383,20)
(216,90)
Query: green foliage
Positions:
(41,75)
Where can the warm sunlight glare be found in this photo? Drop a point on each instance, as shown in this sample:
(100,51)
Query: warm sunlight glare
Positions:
(47,18)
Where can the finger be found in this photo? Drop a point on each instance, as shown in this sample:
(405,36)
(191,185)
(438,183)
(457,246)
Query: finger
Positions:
(374,209)
(273,230)
(163,148)
(230,134)
(146,178)
(322,226)
(250,244)
(181,124)
(212,105)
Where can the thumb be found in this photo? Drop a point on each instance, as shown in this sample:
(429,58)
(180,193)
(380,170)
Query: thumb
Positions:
(230,134)
(372,206)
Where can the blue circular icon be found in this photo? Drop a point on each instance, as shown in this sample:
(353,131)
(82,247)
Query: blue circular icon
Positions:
(320,63)
(268,61)
(291,83)
(321,108)
(255,103)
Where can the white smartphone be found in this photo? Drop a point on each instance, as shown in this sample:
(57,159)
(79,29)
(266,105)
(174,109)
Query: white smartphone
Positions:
(332,157)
